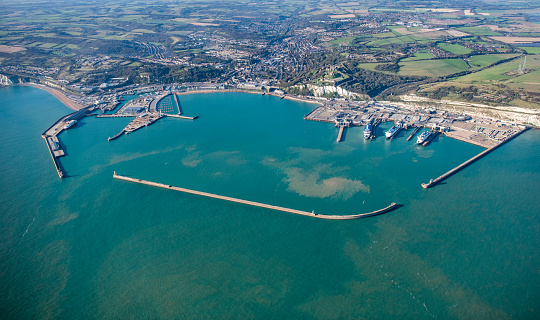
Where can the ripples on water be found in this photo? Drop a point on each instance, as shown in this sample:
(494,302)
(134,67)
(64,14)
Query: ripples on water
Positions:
(93,247)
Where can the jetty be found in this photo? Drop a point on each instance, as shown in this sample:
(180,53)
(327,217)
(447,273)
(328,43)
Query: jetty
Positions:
(116,136)
(51,137)
(312,214)
(448,174)
(413,133)
(340,134)
(180,117)
(177,104)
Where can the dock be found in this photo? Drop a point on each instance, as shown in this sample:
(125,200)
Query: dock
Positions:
(312,214)
(51,137)
(57,165)
(448,174)
(177,104)
(340,134)
(413,133)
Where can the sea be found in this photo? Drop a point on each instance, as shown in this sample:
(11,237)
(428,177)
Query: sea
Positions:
(93,247)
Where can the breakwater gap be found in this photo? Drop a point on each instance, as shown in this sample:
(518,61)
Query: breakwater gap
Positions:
(312,214)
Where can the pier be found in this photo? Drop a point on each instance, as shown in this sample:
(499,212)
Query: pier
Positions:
(392,206)
(177,104)
(413,133)
(448,174)
(180,117)
(340,134)
(57,165)
(116,136)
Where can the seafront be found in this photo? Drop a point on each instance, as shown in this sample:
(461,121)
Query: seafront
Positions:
(58,94)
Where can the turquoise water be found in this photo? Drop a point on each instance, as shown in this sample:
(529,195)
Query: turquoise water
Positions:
(90,246)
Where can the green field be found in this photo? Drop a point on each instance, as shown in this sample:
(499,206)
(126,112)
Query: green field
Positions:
(432,68)
(454,48)
(48,45)
(531,50)
(479,31)
(423,55)
(346,40)
(508,74)
(485,60)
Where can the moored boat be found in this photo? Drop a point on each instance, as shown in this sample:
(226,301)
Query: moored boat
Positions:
(390,133)
(367,131)
(70,124)
(423,137)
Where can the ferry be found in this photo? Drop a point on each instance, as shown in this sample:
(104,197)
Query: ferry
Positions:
(367,131)
(423,137)
(390,133)
(70,124)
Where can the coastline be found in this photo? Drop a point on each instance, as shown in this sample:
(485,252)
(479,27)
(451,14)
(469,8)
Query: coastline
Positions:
(58,94)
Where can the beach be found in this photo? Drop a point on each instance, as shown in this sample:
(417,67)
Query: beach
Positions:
(58,94)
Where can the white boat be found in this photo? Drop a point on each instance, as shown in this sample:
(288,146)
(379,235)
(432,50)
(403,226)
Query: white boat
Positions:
(423,137)
(367,131)
(70,124)
(390,133)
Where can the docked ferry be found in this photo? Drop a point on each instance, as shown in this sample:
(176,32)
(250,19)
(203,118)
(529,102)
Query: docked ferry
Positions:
(367,131)
(70,124)
(390,133)
(423,137)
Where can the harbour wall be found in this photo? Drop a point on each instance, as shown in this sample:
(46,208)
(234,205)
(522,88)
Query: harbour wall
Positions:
(391,207)
(468,162)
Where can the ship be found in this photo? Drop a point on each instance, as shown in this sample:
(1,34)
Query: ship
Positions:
(367,131)
(423,137)
(70,124)
(390,133)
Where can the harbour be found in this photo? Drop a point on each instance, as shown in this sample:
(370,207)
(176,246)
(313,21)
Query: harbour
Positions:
(96,238)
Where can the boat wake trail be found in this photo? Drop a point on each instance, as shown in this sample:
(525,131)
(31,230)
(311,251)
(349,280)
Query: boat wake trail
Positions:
(28,227)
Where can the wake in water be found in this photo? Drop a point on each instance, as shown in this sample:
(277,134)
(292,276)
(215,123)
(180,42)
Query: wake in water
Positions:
(28,227)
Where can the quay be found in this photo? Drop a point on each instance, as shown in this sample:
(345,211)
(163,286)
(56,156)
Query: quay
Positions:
(51,137)
(448,174)
(57,165)
(177,104)
(413,133)
(392,206)
(340,134)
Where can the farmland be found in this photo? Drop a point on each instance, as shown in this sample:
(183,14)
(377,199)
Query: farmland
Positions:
(370,48)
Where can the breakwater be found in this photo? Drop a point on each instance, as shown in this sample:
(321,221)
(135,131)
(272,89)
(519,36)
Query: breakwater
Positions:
(448,174)
(312,214)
